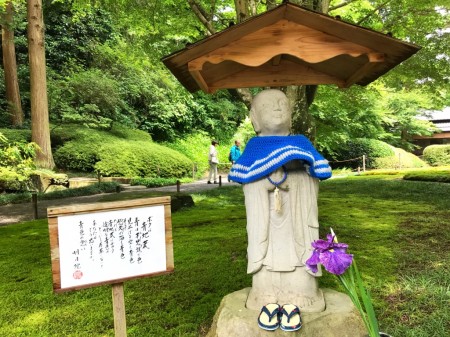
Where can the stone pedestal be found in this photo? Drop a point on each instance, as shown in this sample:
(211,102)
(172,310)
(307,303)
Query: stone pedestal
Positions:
(339,319)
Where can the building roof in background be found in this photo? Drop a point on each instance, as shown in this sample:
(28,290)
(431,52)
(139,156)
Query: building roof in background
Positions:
(439,118)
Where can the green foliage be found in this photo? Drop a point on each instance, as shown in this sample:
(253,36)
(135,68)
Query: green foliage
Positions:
(72,35)
(437,155)
(142,159)
(16,164)
(343,116)
(119,152)
(400,159)
(90,98)
(400,120)
(195,146)
(10,180)
(355,149)
(77,155)
(16,198)
(17,135)
(244,133)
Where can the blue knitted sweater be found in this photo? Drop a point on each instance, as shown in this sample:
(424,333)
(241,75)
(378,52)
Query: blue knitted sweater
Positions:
(263,155)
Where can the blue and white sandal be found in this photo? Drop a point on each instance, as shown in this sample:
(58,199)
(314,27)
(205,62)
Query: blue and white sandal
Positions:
(290,318)
(269,318)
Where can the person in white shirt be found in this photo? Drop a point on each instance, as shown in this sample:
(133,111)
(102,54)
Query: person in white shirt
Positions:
(213,161)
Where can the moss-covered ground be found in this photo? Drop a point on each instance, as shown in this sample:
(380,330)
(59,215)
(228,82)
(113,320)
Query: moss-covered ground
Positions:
(398,231)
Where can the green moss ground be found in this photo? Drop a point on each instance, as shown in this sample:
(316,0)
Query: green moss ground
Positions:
(397,229)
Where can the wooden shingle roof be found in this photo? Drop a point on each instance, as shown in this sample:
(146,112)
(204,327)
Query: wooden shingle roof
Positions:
(288,45)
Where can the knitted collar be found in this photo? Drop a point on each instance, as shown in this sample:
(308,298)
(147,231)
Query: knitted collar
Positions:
(263,155)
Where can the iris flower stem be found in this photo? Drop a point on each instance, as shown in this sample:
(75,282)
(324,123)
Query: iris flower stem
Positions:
(351,281)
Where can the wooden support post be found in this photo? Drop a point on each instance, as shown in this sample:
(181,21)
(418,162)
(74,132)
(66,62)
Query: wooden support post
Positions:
(220,181)
(120,323)
(359,170)
(178,186)
(35,205)
(364,163)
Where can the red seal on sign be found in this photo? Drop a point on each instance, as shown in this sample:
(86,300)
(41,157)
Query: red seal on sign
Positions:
(77,274)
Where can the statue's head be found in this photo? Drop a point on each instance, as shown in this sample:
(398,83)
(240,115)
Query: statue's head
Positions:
(271,113)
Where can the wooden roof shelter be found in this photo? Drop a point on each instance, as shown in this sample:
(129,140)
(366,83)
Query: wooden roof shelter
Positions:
(288,45)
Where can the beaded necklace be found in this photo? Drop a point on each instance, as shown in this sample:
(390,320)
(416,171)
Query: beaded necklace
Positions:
(276,192)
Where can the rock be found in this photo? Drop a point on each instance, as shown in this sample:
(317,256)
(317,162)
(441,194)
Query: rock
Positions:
(179,201)
(82,182)
(41,180)
(339,319)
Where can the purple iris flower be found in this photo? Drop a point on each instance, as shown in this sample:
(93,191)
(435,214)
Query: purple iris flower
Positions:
(332,255)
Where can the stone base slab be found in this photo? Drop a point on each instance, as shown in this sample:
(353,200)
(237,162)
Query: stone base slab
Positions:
(339,319)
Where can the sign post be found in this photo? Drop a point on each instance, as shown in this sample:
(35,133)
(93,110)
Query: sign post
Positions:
(110,243)
(120,322)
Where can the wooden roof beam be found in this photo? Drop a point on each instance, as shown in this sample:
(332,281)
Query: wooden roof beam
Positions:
(197,75)
(374,59)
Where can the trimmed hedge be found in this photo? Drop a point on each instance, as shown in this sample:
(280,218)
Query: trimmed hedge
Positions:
(119,152)
(437,155)
(16,198)
(17,135)
(442,176)
(379,155)
(400,159)
(141,159)
(356,148)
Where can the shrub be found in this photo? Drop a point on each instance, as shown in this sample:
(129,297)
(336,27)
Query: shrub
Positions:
(120,152)
(442,176)
(17,135)
(16,164)
(400,159)
(355,149)
(11,180)
(437,155)
(379,155)
(142,159)
(15,198)
(76,155)
(195,147)
(90,97)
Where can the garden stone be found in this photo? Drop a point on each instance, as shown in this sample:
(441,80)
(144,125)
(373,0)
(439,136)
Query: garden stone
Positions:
(41,181)
(339,319)
(82,182)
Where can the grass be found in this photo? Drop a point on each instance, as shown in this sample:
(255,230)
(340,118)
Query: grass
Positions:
(397,229)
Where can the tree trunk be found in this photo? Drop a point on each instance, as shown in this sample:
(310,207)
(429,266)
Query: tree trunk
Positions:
(40,128)
(301,97)
(10,67)
(242,12)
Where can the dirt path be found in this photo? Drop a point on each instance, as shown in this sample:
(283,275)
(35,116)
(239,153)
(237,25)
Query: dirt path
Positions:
(15,213)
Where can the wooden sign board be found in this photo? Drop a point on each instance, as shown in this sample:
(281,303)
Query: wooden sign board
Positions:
(105,243)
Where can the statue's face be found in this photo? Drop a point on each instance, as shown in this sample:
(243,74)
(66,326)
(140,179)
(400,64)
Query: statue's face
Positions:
(272,111)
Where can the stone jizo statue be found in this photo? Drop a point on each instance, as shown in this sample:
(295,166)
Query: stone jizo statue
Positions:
(280,174)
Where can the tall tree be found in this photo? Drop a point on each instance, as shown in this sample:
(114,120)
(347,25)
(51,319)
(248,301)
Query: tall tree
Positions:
(40,128)
(10,66)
